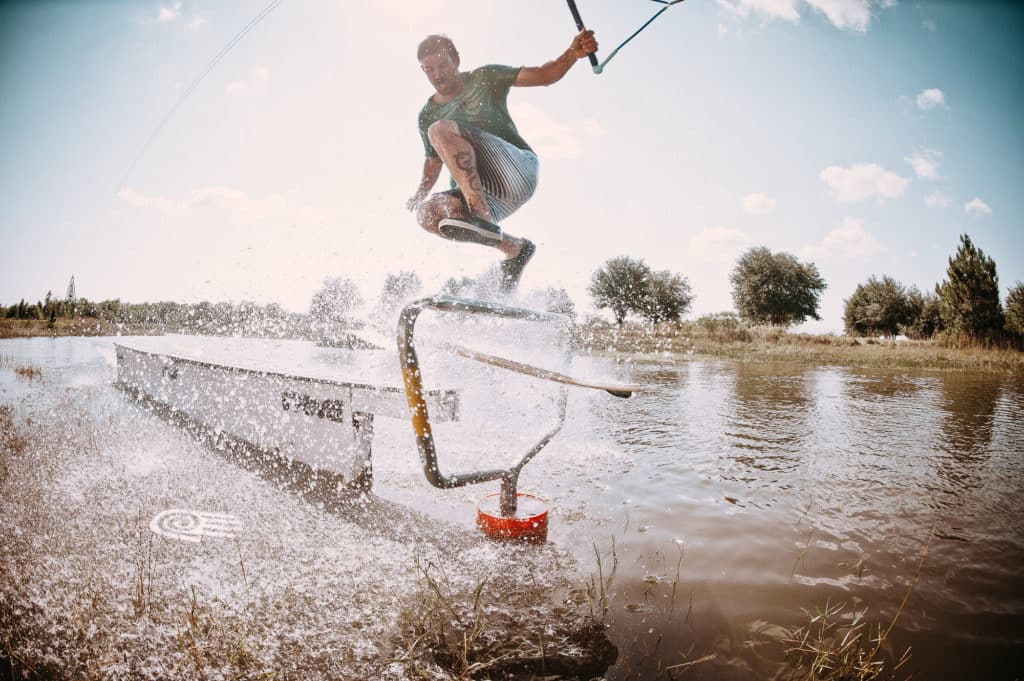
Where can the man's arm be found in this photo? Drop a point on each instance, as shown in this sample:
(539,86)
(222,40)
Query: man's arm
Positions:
(583,44)
(431,171)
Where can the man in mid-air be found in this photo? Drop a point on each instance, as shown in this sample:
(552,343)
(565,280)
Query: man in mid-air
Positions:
(466,127)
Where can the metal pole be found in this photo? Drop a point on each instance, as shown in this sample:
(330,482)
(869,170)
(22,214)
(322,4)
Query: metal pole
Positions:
(413,380)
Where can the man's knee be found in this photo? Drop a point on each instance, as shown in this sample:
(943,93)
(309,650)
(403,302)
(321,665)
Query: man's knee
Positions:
(436,208)
(426,216)
(442,130)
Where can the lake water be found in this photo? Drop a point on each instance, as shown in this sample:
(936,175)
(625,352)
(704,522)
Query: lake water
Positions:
(730,496)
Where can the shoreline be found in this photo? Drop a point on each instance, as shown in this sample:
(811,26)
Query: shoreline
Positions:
(766,344)
(673,341)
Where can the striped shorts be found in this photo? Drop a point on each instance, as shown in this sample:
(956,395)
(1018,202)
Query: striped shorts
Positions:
(508,174)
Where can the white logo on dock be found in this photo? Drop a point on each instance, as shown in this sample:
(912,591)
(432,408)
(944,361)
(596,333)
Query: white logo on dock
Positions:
(192,526)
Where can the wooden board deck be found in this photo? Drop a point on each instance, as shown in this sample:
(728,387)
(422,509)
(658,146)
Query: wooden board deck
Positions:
(616,389)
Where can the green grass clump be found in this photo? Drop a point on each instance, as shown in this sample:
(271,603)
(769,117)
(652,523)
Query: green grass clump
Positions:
(837,645)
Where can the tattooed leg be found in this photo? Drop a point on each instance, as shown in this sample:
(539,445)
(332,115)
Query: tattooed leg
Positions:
(460,159)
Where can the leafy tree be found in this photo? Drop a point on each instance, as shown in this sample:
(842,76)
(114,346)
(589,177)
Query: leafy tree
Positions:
(668,297)
(333,303)
(621,284)
(557,300)
(458,287)
(1015,310)
(925,318)
(970,295)
(112,309)
(397,289)
(879,306)
(775,288)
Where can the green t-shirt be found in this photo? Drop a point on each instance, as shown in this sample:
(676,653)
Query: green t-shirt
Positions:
(483,103)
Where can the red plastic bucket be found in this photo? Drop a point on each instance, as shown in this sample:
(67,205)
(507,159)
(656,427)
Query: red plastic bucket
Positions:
(530,522)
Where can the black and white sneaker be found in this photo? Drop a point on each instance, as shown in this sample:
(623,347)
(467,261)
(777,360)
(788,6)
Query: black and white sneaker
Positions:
(470,229)
(512,268)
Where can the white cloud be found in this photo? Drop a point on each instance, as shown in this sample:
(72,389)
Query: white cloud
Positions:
(238,206)
(255,83)
(159,204)
(196,23)
(863,181)
(977,208)
(717,245)
(931,98)
(925,163)
(929,25)
(758,204)
(552,138)
(766,9)
(848,241)
(937,200)
(170,13)
(853,15)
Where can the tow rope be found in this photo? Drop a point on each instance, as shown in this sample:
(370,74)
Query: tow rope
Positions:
(599,66)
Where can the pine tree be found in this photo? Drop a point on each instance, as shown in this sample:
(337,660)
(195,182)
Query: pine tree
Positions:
(1015,310)
(970,296)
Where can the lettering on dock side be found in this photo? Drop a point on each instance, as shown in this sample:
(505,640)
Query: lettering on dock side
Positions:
(332,410)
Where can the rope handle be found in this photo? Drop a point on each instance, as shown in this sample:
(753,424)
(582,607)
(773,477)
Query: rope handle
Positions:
(579,26)
(599,66)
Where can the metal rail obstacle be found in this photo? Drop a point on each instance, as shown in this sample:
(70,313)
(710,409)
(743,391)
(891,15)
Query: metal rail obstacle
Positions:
(504,524)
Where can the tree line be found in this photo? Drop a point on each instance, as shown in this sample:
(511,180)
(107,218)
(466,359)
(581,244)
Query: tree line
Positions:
(768,287)
(965,306)
(332,307)
(780,290)
(203,317)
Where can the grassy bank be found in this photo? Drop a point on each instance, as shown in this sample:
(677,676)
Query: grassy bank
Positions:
(81,326)
(93,326)
(773,344)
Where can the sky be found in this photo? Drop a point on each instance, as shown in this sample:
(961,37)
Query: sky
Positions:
(861,135)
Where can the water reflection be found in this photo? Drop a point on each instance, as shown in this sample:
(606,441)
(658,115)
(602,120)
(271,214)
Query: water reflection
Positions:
(654,417)
(969,407)
(767,418)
